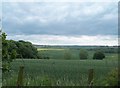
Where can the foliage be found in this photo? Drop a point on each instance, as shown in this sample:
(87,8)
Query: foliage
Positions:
(60,54)
(16,49)
(83,54)
(5,56)
(13,54)
(67,55)
(98,55)
(106,49)
(43,55)
(5,66)
(26,50)
(112,78)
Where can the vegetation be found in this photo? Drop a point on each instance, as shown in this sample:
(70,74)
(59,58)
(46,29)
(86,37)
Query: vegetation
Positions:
(23,49)
(83,54)
(16,49)
(67,65)
(4,48)
(112,78)
(99,55)
(59,72)
(67,55)
(5,55)
(106,49)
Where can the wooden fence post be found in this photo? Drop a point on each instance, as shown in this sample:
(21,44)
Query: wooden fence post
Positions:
(90,78)
(20,77)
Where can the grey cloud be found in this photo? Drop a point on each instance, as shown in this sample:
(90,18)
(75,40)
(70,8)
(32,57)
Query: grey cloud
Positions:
(75,22)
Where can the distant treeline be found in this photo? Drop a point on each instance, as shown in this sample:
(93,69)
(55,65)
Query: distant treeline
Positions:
(74,46)
(105,49)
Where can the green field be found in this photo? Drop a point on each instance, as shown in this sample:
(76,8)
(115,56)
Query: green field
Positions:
(57,71)
(56,53)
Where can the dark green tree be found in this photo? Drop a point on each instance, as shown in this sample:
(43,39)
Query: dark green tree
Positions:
(5,55)
(13,55)
(16,49)
(26,50)
(98,55)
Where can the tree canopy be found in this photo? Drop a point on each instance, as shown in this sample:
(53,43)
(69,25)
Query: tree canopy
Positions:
(98,55)
(83,54)
(17,49)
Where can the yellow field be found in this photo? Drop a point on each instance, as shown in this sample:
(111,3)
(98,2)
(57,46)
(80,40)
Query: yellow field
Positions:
(42,49)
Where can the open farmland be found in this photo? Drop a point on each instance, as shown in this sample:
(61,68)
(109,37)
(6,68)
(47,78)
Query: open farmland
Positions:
(59,53)
(57,71)
(53,49)
(59,43)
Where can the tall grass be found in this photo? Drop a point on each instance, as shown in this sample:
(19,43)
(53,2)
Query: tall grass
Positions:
(59,72)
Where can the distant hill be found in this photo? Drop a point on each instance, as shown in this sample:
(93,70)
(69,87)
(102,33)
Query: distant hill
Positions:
(73,46)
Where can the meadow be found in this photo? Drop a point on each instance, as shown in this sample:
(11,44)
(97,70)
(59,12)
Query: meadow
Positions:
(59,53)
(57,71)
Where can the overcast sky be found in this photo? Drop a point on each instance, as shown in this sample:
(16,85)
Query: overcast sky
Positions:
(66,23)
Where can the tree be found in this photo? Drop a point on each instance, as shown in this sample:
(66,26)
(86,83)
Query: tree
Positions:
(98,55)
(67,55)
(26,50)
(5,55)
(16,49)
(13,54)
(83,54)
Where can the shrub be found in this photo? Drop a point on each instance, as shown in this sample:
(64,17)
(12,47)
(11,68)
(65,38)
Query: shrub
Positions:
(13,54)
(5,67)
(113,78)
(83,54)
(46,57)
(98,55)
(67,55)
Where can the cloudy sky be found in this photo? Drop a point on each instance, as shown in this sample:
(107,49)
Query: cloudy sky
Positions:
(61,23)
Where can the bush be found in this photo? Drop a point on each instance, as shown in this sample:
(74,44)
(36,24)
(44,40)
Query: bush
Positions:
(5,67)
(67,55)
(98,55)
(83,54)
(113,78)
(13,54)
(46,57)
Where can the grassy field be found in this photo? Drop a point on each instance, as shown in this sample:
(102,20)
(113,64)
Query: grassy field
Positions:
(59,72)
(56,53)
